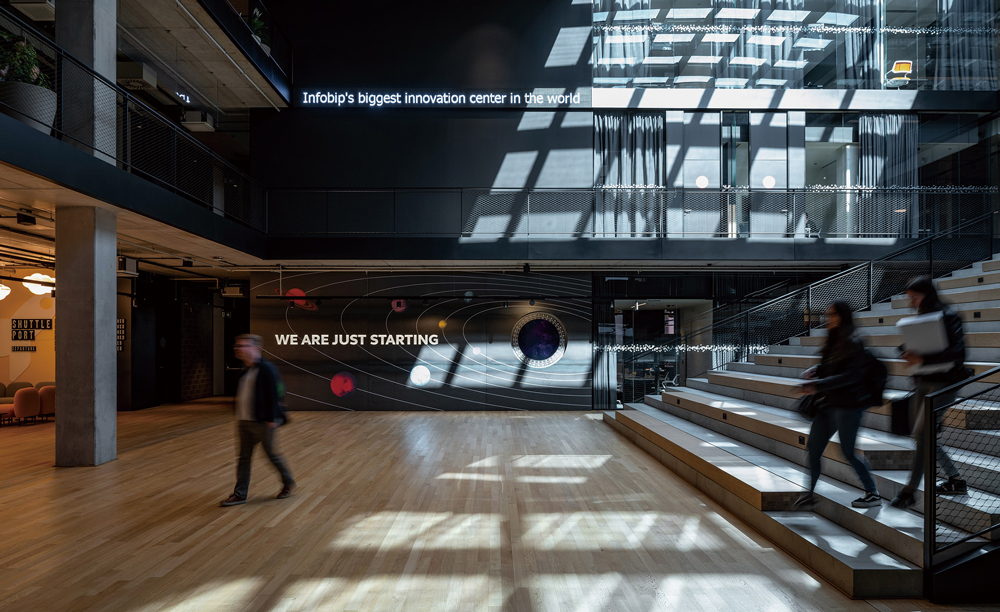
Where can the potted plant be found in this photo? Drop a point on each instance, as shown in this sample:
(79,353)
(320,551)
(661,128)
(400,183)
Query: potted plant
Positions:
(259,29)
(25,91)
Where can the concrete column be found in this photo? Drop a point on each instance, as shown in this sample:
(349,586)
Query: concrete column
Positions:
(88,30)
(847,176)
(86,364)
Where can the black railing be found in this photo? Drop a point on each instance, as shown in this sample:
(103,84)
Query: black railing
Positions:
(964,431)
(738,337)
(72,102)
(484,215)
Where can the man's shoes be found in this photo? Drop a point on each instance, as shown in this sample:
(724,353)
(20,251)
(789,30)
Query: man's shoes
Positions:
(952,486)
(233,500)
(903,500)
(285,492)
(805,503)
(869,500)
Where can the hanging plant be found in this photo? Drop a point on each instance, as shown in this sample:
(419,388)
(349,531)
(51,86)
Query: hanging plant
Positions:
(259,27)
(19,62)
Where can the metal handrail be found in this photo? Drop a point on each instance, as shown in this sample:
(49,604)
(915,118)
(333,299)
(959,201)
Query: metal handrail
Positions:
(809,288)
(129,101)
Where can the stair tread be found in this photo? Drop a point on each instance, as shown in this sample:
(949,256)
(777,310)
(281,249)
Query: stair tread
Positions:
(888,395)
(864,433)
(981,501)
(846,546)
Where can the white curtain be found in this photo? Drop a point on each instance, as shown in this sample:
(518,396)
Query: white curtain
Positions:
(862,45)
(965,48)
(631,154)
(620,53)
(889,144)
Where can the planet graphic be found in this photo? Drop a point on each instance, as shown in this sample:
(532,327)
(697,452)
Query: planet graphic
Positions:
(420,375)
(442,324)
(538,339)
(476,350)
(343,384)
(296,298)
(399,305)
(468,297)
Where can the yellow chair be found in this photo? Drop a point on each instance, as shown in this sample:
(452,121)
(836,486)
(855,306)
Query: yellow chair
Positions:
(900,74)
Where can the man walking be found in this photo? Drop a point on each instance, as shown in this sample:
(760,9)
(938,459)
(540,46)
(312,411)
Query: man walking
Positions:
(258,416)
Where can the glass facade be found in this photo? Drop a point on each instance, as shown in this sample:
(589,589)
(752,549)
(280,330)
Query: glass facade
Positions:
(797,44)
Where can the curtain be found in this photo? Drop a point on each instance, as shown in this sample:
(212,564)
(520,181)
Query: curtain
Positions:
(862,49)
(888,161)
(631,152)
(965,55)
(621,52)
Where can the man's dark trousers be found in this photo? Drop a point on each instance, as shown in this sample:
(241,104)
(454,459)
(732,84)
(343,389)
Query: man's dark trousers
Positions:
(252,432)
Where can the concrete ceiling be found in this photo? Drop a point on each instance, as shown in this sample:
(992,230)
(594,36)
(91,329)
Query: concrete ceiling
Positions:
(179,36)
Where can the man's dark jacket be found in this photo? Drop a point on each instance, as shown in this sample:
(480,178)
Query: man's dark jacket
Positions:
(267,405)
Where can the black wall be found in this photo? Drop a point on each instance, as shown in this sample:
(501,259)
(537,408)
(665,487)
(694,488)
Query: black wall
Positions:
(447,46)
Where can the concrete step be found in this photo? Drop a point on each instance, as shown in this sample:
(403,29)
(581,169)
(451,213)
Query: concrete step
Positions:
(970,513)
(896,367)
(780,392)
(899,531)
(973,280)
(869,320)
(991,266)
(965,295)
(972,340)
(859,567)
(898,377)
(901,383)
(883,451)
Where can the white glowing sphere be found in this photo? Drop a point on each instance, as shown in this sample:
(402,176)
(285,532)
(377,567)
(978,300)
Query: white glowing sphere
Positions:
(476,350)
(701,182)
(420,376)
(38,289)
(769,182)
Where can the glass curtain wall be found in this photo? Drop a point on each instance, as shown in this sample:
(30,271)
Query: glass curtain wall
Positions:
(832,44)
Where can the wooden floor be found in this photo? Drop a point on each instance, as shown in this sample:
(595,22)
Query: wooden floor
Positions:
(394,511)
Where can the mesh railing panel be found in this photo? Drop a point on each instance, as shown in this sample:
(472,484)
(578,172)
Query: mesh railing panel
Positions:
(851,287)
(969,438)
(488,214)
(562,213)
(622,213)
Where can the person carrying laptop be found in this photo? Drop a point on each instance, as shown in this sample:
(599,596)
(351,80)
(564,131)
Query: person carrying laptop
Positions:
(932,372)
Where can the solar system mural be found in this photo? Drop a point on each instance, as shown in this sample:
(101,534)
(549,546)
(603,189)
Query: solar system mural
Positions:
(435,341)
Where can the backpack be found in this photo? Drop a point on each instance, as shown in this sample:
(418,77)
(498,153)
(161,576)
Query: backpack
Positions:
(875,378)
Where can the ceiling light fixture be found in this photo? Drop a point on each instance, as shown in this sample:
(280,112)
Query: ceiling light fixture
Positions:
(36,288)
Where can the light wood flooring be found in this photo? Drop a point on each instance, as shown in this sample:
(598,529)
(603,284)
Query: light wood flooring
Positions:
(395,511)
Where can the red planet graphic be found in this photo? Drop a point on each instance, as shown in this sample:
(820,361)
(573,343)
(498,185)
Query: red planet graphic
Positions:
(399,305)
(343,384)
(296,297)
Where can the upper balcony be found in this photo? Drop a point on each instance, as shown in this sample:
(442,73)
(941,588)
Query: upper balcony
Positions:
(229,56)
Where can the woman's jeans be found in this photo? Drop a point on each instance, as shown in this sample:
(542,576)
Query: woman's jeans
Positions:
(917,407)
(844,421)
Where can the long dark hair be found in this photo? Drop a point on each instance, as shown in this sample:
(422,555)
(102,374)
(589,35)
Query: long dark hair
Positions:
(838,336)
(931,302)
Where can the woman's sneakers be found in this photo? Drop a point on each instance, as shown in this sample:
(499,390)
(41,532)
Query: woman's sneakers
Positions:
(869,500)
(903,500)
(805,503)
(952,486)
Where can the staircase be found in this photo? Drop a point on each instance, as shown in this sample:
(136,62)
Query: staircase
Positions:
(733,433)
